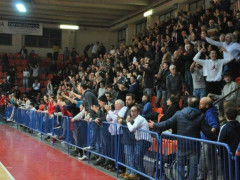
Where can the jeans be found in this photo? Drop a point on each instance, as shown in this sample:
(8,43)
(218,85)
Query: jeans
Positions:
(140,150)
(192,166)
(189,82)
(129,157)
(25,82)
(161,94)
(95,136)
(199,93)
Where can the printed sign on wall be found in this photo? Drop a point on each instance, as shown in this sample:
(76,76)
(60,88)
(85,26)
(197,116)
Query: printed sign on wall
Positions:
(25,28)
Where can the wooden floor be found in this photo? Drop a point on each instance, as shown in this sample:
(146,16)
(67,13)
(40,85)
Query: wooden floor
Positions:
(29,159)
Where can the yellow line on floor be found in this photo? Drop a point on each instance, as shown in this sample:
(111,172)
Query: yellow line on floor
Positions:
(4,173)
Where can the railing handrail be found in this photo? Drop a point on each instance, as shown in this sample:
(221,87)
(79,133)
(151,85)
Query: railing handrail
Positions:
(221,99)
(199,140)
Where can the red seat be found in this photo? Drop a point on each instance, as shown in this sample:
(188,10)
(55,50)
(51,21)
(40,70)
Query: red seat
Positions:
(42,76)
(45,83)
(19,75)
(22,90)
(237,80)
(50,76)
(24,62)
(20,82)
(11,63)
(19,68)
(18,62)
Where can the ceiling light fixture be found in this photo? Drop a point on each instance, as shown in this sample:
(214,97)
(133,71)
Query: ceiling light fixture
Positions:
(148,13)
(71,27)
(21,8)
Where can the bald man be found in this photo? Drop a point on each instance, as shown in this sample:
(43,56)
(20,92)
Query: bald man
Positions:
(211,114)
(211,118)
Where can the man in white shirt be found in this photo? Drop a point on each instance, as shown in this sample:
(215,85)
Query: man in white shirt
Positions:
(212,69)
(231,47)
(143,138)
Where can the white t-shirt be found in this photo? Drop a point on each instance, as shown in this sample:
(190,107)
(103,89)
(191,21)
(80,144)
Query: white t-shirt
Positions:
(212,69)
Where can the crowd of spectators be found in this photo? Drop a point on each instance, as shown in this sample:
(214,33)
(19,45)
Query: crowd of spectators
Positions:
(178,60)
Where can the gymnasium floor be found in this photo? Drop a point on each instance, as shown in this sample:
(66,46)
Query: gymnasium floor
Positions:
(27,158)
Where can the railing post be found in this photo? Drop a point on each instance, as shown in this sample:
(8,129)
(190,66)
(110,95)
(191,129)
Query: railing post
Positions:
(230,165)
(88,139)
(237,160)
(41,124)
(52,130)
(68,122)
(161,162)
(116,148)
(157,157)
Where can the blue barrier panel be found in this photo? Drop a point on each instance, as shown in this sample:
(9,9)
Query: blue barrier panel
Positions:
(103,141)
(141,152)
(137,151)
(6,112)
(191,158)
(237,167)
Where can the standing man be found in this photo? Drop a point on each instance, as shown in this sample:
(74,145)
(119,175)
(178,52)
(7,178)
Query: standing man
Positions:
(189,122)
(212,69)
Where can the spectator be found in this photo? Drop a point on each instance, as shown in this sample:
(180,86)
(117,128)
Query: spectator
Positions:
(199,86)
(173,107)
(231,47)
(230,134)
(49,88)
(143,139)
(5,63)
(188,59)
(26,75)
(147,107)
(229,100)
(66,54)
(23,53)
(161,85)
(212,69)
(174,83)
(55,51)
(189,122)
(148,79)
(36,87)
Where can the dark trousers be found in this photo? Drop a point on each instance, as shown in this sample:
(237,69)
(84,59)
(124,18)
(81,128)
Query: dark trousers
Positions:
(214,87)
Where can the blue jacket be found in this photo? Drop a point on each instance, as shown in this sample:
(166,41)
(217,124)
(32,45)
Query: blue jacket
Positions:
(147,108)
(211,118)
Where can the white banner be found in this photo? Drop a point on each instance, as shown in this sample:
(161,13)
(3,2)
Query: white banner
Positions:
(25,28)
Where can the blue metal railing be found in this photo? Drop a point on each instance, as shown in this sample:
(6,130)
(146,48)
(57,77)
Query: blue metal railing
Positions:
(141,152)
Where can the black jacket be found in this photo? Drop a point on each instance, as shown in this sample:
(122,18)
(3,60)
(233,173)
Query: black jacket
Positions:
(148,78)
(230,134)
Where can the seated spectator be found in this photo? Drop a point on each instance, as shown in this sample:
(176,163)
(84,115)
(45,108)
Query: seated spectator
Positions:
(147,107)
(173,107)
(229,100)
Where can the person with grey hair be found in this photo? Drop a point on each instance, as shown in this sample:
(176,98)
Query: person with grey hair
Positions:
(229,44)
(175,83)
(232,47)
